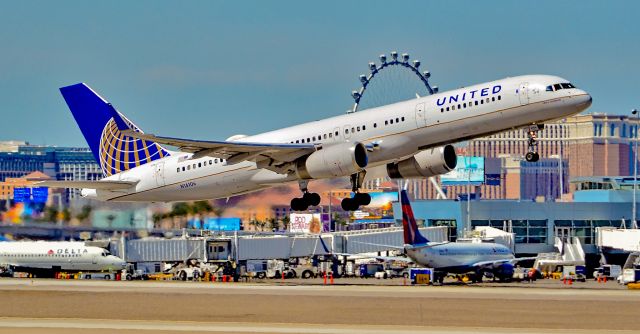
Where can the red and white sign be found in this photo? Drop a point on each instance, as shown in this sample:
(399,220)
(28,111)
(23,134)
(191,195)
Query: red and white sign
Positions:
(305,223)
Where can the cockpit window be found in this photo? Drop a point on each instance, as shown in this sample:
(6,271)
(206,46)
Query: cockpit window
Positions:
(559,86)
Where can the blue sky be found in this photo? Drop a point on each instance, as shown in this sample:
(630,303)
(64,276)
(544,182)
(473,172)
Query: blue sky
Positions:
(209,70)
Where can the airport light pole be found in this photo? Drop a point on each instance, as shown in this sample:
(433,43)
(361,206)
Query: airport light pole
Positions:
(634,224)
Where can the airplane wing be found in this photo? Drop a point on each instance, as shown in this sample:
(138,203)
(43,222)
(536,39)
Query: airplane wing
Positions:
(232,151)
(102,185)
(498,262)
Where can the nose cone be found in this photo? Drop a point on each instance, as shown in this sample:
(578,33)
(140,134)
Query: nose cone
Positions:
(583,100)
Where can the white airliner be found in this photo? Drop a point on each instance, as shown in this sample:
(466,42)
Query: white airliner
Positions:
(45,256)
(408,139)
(474,259)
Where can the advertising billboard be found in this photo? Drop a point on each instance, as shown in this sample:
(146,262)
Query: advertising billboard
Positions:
(21,195)
(380,207)
(468,170)
(222,224)
(306,223)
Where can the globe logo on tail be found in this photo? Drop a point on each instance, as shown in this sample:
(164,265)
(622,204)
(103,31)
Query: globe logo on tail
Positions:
(119,152)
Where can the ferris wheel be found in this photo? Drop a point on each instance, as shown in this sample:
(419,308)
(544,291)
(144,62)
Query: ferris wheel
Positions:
(396,79)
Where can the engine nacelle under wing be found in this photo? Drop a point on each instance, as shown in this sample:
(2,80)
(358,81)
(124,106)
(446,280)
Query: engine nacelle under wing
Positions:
(432,162)
(333,161)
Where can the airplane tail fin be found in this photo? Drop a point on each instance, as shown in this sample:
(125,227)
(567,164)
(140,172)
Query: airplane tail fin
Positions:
(101,125)
(412,235)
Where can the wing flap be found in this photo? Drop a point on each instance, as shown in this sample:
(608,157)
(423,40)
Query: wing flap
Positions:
(101,185)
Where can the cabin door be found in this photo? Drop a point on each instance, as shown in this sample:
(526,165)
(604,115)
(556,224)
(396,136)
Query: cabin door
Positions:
(523,93)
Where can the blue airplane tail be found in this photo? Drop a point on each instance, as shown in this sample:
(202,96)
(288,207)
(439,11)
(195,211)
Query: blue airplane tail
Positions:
(100,124)
(412,235)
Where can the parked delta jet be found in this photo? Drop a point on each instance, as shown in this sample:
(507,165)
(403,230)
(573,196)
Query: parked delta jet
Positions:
(52,256)
(409,139)
(475,259)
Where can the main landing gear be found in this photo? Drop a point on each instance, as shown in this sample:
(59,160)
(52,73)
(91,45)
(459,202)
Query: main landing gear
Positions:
(532,154)
(353,203)
(308,199)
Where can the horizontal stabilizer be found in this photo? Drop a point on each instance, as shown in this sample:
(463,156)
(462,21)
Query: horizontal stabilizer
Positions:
(102,185)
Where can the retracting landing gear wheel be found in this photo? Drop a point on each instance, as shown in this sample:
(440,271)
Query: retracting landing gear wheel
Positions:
(532,156)
(299,204)
(532,143)
(349,204)
(313,199)
(362,199)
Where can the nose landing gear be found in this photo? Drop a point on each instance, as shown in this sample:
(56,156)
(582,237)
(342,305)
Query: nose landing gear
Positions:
(532,142)
(353,203)
(308,199)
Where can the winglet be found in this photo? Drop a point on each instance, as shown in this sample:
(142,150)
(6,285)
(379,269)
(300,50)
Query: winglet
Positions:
(412,235)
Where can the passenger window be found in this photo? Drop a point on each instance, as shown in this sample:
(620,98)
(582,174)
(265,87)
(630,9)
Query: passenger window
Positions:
(199,164)
(346,130)
(194,166)
(324,136)
(447,108)
(441,109)
(210,162)
(183,168)
(459,107)
(476,102)
(487,100)
(336,133)
(402,119)
(364,127)
(481,101)
(353,130)
(391,121)
(386,122)
(493,99)
(189,167)
(330,134)
(397,120)
(358,128)
(464,105)
(308,140)
(178,171)
(375,125)
(453,107)
(499,98)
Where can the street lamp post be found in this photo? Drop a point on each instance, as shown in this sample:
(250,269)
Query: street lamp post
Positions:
(634,224)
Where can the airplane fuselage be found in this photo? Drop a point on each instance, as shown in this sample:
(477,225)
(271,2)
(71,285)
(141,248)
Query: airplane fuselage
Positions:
(455,257)
(58,256)
(393,132)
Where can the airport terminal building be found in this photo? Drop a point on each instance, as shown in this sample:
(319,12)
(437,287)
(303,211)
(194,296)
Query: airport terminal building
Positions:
(599,202)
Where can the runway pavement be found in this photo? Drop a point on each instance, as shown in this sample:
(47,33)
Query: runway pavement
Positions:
(57,306)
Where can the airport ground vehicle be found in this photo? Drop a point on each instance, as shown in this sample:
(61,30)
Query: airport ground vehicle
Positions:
(610,271)
(576,273)
(304,271)
(98,275)
(366,270)
(629,275)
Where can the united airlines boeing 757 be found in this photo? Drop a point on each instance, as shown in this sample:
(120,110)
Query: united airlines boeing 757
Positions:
(409,139)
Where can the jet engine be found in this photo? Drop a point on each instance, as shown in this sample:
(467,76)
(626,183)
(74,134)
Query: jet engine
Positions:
(333,161)
(431,162)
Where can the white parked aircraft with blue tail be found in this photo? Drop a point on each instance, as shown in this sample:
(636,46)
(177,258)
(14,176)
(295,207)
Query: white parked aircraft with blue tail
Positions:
(409,139)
